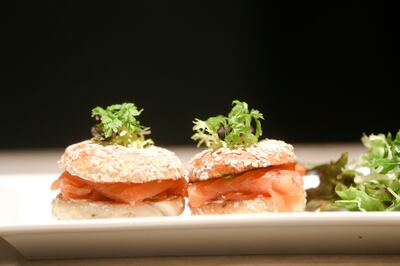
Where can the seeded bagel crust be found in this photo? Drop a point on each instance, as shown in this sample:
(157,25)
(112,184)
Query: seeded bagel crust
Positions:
(258,205)
(115,163)
(210,163)
(70,209)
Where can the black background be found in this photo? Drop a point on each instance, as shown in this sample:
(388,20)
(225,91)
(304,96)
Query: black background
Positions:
(318,71)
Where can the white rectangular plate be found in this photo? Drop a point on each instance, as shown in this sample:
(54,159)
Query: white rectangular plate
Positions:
(27,224)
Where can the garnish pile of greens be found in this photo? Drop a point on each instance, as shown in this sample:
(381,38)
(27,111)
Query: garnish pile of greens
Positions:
(330,175)
(371,183)
(117,125)
(240,128)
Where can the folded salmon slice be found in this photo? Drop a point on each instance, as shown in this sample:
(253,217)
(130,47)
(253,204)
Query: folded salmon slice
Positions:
(74,187)
(282,184)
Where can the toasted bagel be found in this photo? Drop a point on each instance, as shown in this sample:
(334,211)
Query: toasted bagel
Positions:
(114,163)
(257,205)
(68,209)
(210,163)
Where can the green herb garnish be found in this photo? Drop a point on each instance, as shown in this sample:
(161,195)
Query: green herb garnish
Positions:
(240,128)
(376,176)
(329,174)
(117,125)
(371,183)
(227,177)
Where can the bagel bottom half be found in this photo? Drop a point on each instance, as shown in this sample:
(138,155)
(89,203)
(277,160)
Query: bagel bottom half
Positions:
(68,209)
(257,205)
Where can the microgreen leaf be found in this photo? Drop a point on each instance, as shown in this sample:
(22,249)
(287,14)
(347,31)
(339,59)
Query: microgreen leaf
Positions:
(240,128)
(117,125)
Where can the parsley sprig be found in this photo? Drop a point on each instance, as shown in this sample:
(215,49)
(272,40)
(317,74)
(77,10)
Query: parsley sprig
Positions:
(117,125)
(240,128)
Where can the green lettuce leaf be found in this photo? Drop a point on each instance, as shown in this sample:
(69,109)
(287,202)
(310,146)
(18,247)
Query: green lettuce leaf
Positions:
(376,177)
(370,183)
(323,196)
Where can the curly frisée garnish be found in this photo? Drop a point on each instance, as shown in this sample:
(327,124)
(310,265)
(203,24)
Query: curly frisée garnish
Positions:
(240,128)
(376,176)
(370,183)
(117,125)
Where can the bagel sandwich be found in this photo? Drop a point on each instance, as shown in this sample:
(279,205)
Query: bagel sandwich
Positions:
(239,174)
(118,173)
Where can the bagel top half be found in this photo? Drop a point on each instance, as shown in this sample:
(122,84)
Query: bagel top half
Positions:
(115,163)
(210,163)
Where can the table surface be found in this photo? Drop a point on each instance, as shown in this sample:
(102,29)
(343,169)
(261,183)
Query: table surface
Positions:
(44,161)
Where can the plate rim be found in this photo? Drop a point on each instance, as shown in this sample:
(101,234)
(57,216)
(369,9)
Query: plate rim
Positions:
(299,219)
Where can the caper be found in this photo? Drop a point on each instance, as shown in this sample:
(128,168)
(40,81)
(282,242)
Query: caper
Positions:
(252,130)
(221,132)
(253,126)
(95,131)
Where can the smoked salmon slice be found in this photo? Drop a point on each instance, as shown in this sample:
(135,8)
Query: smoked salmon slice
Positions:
(282,184)
(77,188)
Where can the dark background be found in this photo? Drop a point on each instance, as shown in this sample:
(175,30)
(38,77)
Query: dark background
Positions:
(319,72)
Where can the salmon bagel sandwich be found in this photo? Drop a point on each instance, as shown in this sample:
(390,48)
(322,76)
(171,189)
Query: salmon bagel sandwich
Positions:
(119,173)
(238,173)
